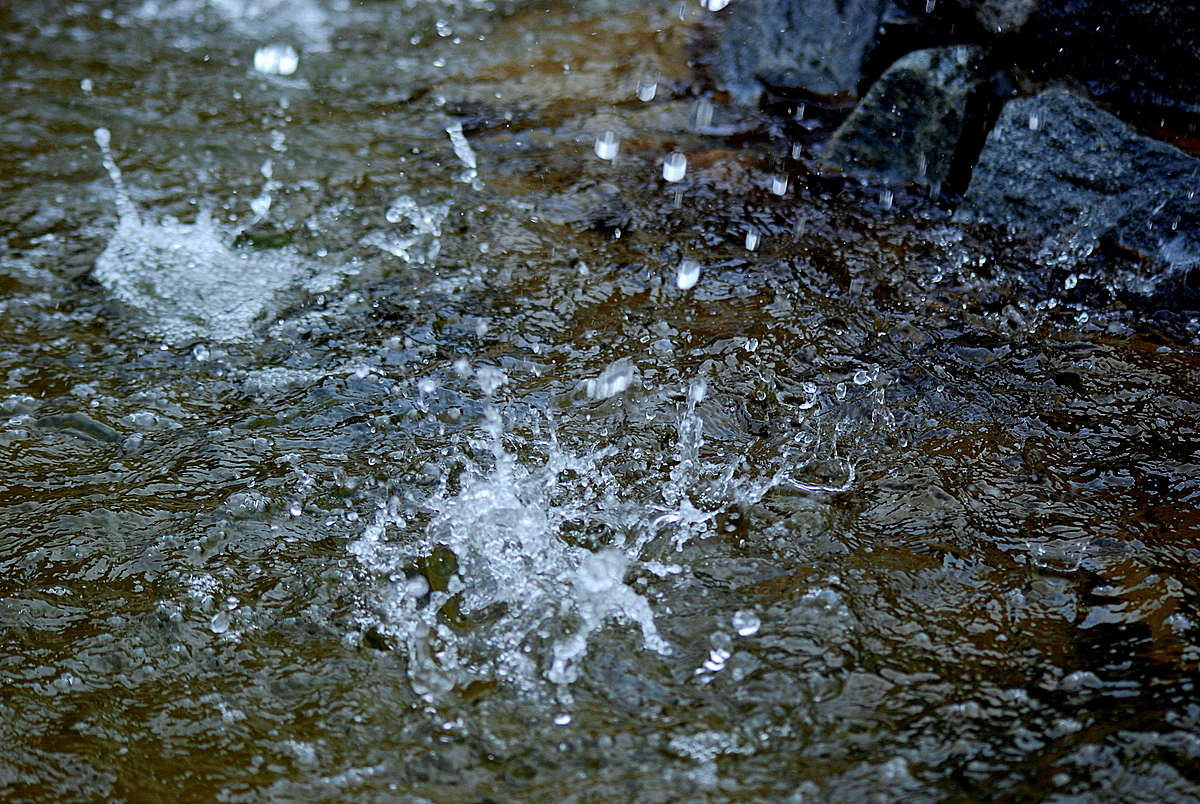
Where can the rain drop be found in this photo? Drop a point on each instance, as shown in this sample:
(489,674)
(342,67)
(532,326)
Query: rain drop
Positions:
(607,145)
(779,184)
(689,274)
(746,623)
(752,239)
(646,90)
(674,167)
(276,60)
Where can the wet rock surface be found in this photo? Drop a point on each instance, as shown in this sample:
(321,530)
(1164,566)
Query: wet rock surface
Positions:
(917,123)
(808,48)
(1057,165)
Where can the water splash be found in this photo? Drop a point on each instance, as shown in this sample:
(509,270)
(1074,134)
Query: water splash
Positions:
(187,277)
(421,243)
(527,600)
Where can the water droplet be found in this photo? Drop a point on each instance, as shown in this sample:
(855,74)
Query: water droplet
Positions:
(426,385)
(689,274)
(797,150)
(746,623)
(715,5)
(1035,121)
(779,184)
(219,623)
(702,114)
(646,90)
(674,167)
(86,85)
(607,145)
(490,379)
(416,586)
(862,377)
(276,60)
(296,508)
(562,720)
(615,378)
(885,199)
(930,5)
(751,240)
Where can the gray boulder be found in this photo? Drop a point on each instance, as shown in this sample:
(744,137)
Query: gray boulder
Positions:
(910,125)
(806,48)
(1059,166)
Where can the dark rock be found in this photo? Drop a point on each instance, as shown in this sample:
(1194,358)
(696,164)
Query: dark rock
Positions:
(813,49)
(1000,17)
(1059,166)
(910,125)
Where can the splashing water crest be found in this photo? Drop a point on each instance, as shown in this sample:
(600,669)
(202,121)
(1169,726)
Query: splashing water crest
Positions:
(186,277)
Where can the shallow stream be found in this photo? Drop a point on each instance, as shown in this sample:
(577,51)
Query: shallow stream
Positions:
(379,424)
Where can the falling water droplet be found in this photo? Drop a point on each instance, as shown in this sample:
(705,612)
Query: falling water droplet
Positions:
(689,274)
(779,184)
(930,5)
(703,113)
(646,90)
(674,166)
(751,240)
(746,623)
(885,199)
(276,60)
(715,5)
(607,145)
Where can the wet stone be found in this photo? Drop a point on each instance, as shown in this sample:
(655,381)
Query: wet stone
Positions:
(910,126)
(1059,166)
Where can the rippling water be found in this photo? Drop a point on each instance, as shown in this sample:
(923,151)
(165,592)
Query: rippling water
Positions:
(403,434)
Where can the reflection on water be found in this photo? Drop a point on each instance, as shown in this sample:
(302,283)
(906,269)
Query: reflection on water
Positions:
(404,431)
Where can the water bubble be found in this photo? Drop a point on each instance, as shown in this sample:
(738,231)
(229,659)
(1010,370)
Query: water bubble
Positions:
(746,623)
(276,60)
(219,623)
(607,145)
(779,184)
(688,275)
(752,239)
(674,167)
(416,586)
(862,377)
(646,90)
